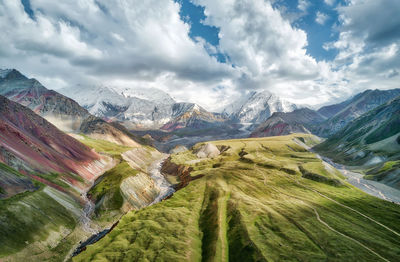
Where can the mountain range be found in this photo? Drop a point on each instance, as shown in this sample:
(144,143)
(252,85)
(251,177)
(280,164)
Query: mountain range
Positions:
(327,120)
(62,111)
(138,109)
(256,107)
(371,141)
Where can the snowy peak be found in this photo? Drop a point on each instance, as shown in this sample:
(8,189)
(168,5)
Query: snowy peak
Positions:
(99,101)
(147,108)
(257,106)
(152,94)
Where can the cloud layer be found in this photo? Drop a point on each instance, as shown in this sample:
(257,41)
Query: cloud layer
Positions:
(144,44)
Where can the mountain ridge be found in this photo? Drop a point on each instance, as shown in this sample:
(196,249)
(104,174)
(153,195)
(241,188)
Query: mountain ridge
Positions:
(60,110)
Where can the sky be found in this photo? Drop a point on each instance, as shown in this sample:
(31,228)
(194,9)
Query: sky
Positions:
(205,51)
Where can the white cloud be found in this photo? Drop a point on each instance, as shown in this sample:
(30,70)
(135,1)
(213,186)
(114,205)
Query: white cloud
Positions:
(330,2)
(266,49)
(303,5)
(321,18)
(98,41)
(146,44)
(369,44)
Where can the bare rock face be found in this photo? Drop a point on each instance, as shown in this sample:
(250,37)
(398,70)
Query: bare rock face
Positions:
(178,149)
(208,151)
(140,190)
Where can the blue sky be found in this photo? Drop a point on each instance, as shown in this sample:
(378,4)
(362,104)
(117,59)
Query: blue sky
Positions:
(317,34)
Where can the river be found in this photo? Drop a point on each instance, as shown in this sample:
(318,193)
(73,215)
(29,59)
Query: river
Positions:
(368,186)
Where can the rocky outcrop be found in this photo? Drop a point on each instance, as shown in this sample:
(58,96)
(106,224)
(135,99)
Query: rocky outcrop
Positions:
(140,158)
(208,150)
(178,149)
(139,191)
(181,172)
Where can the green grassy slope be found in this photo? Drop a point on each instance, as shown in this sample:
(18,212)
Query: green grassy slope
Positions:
(34,217)
(253,204)
(106,193)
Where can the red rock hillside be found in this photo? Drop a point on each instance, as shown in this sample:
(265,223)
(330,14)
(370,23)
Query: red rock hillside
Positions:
(29,142)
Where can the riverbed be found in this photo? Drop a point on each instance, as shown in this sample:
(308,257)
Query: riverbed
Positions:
(368,186)
(160,181)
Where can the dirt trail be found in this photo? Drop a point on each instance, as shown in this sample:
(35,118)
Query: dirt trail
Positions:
(350,208)
(352,239)
(326,224)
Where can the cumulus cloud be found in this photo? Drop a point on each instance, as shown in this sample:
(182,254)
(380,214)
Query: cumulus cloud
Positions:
(137,42)
(321,18)
(369,44)
(266,49)
(133,43)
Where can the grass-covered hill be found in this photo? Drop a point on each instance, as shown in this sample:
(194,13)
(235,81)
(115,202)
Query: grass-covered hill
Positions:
(262,199)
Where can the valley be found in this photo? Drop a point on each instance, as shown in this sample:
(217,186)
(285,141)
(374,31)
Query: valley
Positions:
(200,131)
(138,176)
(256,202)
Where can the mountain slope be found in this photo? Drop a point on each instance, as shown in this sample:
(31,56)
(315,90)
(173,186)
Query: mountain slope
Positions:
(142,109)
(58,109)
(43,174)
(280,123)
(256,107)
(31,143)
(263,199)
(135,106)
(192,116)
(370,140)
(343,113)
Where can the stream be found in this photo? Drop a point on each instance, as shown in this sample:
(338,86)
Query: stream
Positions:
(85,220)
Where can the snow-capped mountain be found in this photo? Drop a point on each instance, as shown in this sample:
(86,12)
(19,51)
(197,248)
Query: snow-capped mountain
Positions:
(257,106)
(63,112)
(152,94)
(191,115)
(144,108)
